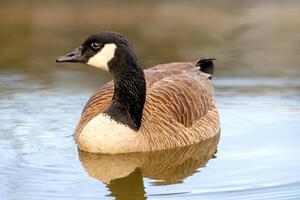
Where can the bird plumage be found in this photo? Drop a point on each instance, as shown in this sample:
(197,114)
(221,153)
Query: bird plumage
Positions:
(179,108)
(166,106)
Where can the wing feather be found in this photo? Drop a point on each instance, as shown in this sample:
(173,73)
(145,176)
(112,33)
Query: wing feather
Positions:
(184,97)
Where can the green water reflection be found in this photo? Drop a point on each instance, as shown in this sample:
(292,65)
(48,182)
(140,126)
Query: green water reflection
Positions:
(124,174)
(248,38)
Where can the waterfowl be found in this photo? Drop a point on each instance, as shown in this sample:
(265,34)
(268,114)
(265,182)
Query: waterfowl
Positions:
(166,106)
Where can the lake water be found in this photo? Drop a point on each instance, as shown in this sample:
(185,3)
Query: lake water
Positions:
(257,92)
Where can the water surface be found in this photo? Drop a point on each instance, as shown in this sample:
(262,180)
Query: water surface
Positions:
(257,92)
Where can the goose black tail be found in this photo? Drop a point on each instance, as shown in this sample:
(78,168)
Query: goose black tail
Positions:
(206,65)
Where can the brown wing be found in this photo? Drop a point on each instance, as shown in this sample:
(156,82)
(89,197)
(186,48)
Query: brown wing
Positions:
(179,111)
(184,97)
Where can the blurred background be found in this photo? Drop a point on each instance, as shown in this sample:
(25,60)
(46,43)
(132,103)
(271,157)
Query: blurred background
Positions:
(249,38)
(256,44)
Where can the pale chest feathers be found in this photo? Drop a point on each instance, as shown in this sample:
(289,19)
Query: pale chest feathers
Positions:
(104,135)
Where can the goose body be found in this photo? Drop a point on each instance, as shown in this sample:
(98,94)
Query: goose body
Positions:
(166,106)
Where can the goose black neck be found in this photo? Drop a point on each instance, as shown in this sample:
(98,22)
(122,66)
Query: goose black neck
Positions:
(129,91)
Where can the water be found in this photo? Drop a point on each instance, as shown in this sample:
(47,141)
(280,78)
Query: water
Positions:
(258,98)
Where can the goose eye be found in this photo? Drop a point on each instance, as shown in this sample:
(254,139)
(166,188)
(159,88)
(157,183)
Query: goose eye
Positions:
(95,45)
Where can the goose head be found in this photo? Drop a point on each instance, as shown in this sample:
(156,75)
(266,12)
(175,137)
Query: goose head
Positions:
(109,51)
(112,52)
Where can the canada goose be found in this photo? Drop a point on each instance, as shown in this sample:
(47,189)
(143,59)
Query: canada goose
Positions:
(166,106)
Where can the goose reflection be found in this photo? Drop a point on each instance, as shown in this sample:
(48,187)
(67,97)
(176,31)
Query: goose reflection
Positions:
(123,174)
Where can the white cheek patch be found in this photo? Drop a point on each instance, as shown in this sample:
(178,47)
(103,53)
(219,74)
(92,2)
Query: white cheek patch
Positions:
(101,59)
